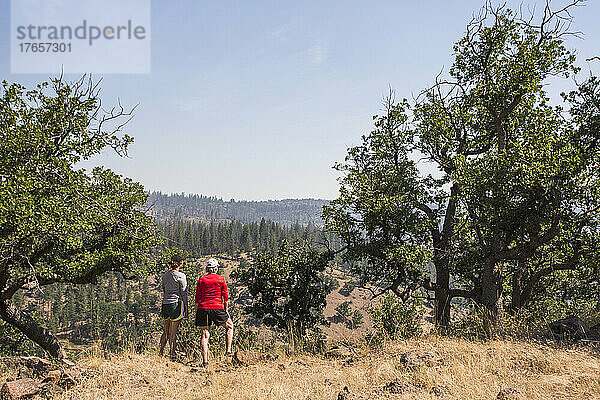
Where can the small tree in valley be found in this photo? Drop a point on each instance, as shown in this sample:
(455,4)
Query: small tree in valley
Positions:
(288,287)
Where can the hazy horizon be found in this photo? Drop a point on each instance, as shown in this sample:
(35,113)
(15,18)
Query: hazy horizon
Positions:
(233,198)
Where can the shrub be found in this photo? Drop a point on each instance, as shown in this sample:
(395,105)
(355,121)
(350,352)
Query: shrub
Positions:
(189,337)
(347,289)
(527,323)
(471,324)
(287,287)
(329,282)
(394,319)
(343,310)
(14,342)
(344,314)
(313,341)
(357,319)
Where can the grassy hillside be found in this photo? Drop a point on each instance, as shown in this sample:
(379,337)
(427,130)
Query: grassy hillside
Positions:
(118,312)
(428,368)
(431,367)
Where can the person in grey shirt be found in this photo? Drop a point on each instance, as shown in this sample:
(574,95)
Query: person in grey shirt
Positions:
(174,303)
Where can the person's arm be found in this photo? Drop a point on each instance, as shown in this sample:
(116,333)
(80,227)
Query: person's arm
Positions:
(224,295)
(198,293)
(184,295)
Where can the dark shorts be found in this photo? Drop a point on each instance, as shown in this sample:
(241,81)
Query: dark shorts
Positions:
(172,311)
(205,317)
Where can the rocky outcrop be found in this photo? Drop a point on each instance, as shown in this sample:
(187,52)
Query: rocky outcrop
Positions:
(508,394)
(416,359)
(340,352)
(248,357)
(25,388)
(570,329)
(37,378)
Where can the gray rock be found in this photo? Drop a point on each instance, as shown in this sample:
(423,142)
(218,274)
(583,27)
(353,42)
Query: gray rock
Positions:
(248,357)
(24,388)
(415,359)
(508,394)
(339,352)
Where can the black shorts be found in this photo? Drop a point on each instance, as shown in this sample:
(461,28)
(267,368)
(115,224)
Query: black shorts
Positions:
(205,317)
(172,311)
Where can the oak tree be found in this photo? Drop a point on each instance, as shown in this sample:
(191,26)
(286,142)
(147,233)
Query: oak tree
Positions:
(59,222)
(514,177)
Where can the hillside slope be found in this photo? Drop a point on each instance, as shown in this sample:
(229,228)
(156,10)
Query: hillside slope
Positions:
(428,368)
(193,206)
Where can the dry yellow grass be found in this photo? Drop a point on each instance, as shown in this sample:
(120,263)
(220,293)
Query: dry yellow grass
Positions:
(456,369)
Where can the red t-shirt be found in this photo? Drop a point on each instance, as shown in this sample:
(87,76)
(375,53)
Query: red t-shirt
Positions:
(211,291)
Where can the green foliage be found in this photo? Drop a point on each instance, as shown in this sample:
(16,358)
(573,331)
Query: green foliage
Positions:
(344,313)
(518,183)
(558,296)
(313,341)
(343,309)
(329,282)
(70,225)
(288,212)
(232,237)
(59,223)
(189,336)
(117,314)
(357,319)
(471,324)
(394,319)
(528,323)
(533,322)
(287,287)
(15,343)
(375,213)
(347,289)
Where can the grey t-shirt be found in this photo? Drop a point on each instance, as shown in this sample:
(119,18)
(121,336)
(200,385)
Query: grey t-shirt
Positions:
(174,287)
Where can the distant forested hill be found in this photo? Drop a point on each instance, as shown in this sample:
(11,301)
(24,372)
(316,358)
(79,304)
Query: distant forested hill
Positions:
(194,206)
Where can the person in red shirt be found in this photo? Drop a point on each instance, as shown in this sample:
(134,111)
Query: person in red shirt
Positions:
(211,307)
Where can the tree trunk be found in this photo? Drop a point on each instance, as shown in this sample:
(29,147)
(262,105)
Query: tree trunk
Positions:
(442,294)
(491,297)
(442,308)
(517,284)
(441,245)
(31,329)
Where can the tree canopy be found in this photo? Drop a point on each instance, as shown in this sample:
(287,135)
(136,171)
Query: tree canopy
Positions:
(516,182)
(288,288)
(58,222)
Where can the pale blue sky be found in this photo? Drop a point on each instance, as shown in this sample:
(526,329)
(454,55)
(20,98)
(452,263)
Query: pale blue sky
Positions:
(258,99)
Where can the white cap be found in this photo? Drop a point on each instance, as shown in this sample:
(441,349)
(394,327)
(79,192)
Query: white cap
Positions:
(212,263)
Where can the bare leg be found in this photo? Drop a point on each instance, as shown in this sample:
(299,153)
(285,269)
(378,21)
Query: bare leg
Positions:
(228,335)
(205,337)
(173,336)
(164,337)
